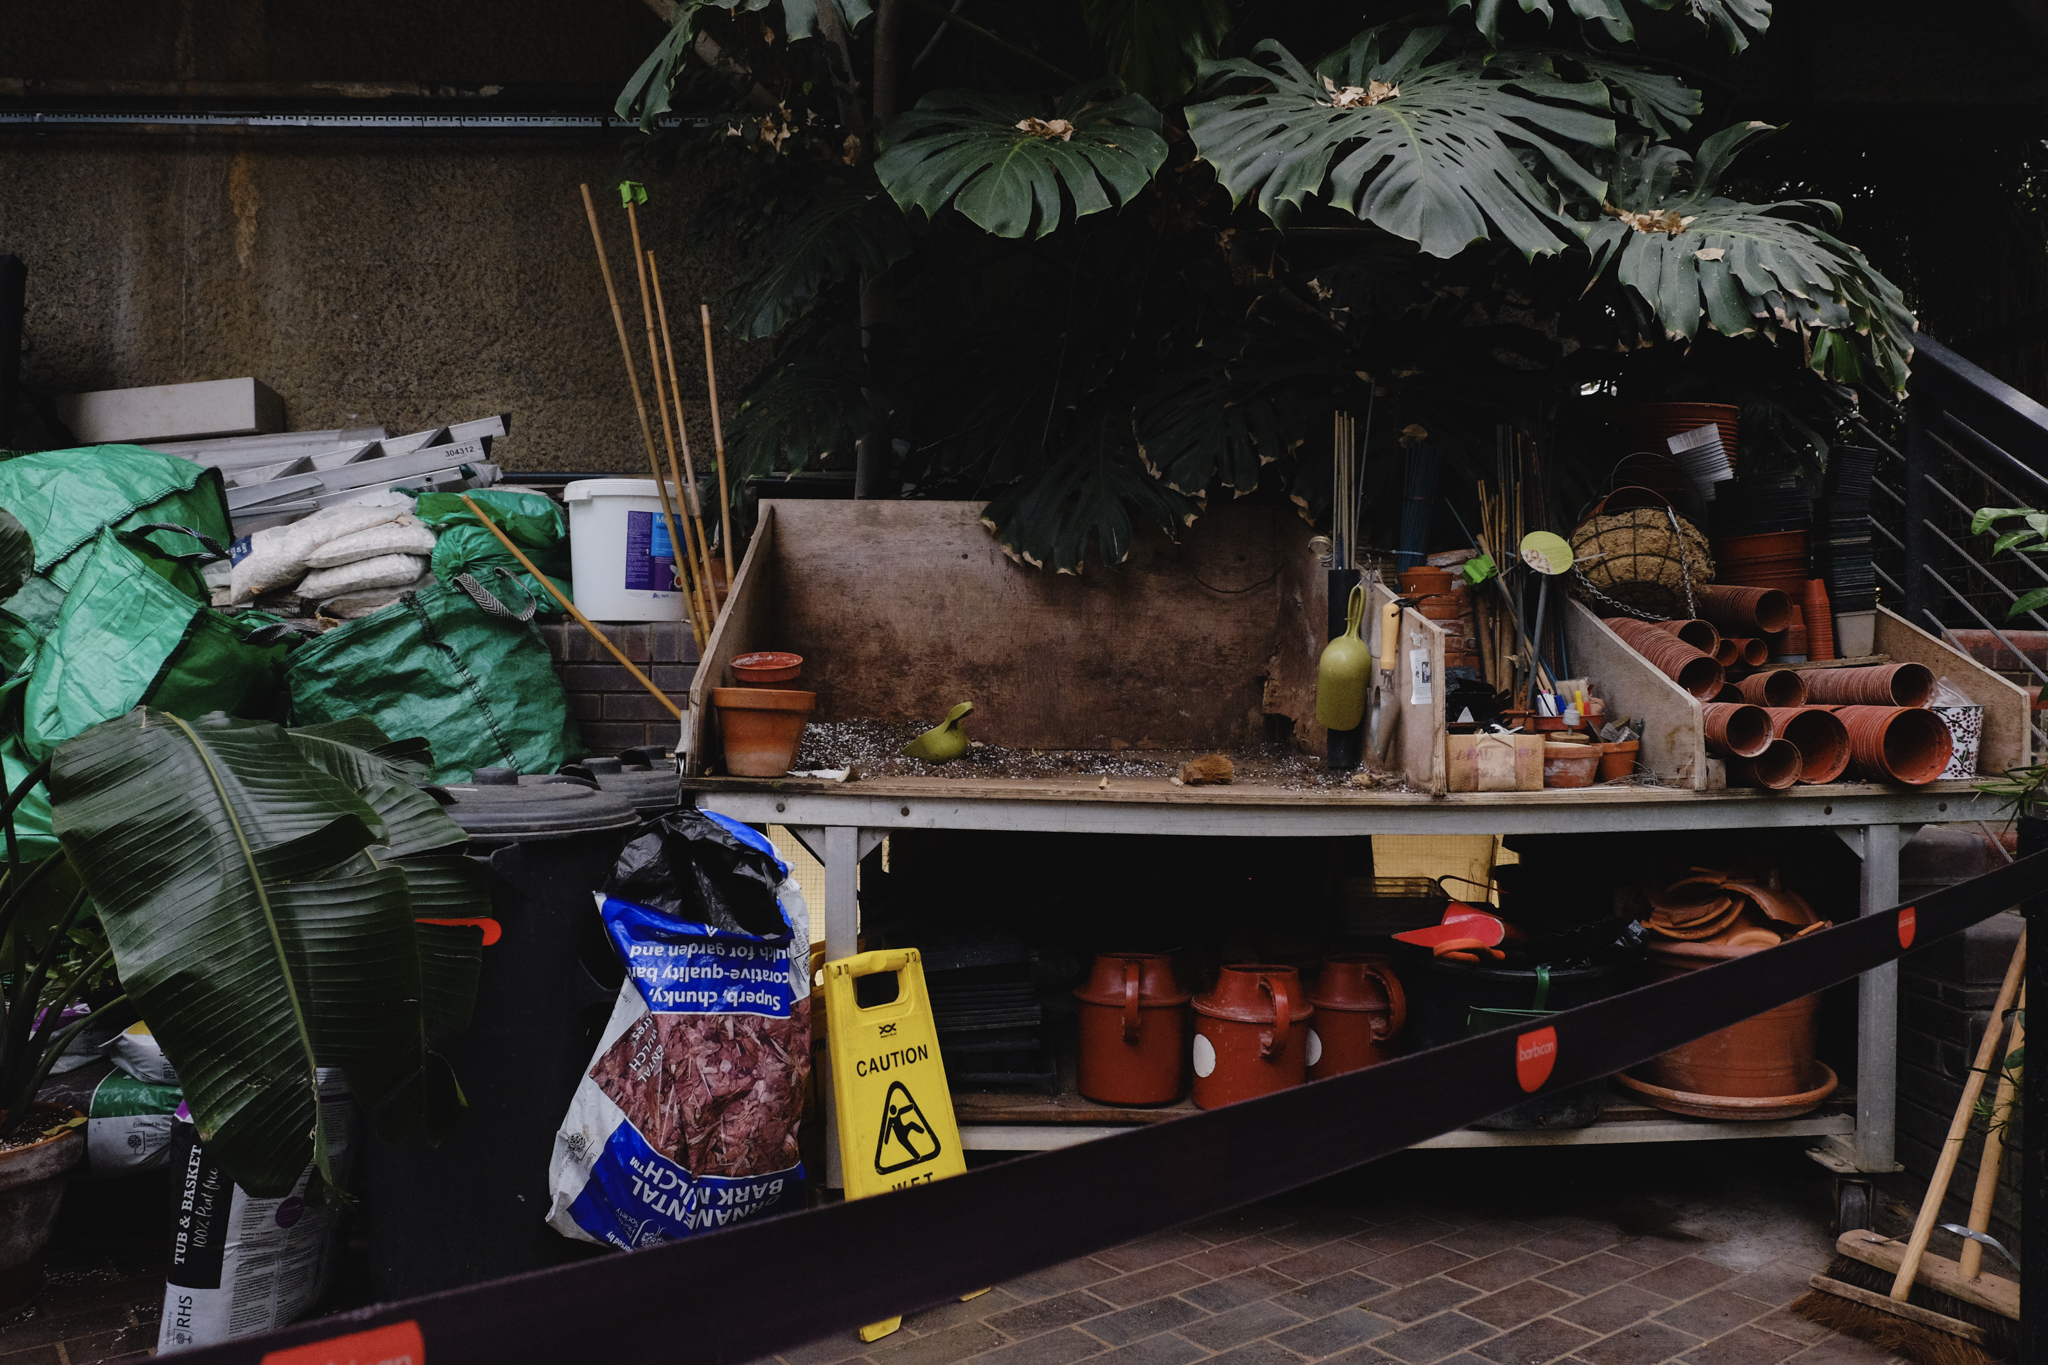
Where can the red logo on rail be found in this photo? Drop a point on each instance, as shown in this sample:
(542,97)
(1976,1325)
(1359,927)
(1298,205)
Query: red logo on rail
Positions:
(1535,1054)
(396,1344)
(1906,927)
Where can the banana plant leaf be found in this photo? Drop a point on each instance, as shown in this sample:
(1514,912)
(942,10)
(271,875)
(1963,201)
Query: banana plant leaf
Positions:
(1010,169)
(252,929)
(1695,258)
(1429,151)
(414,822)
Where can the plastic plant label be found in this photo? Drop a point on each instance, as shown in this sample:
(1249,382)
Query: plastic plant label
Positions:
(1419,679)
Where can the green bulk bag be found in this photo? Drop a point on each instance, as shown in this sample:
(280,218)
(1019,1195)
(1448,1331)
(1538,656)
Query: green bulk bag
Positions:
(66,497)
(450,663)
(465,545)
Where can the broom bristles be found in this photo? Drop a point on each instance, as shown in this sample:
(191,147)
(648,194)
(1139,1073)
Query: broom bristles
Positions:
(1922,1345)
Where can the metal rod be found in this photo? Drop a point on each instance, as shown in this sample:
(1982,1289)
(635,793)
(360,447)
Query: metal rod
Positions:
(1981,568)
(1980,621)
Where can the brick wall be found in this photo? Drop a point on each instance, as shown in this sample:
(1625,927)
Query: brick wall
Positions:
(613,711)
(1946,991)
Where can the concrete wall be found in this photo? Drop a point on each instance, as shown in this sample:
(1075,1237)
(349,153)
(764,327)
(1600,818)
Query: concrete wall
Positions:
(391,278)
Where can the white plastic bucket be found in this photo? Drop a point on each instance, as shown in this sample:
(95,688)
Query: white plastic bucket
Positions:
(619,551)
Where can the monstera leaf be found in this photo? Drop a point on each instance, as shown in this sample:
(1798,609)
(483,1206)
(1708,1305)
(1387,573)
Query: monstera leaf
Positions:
(1735,20)
(844,230)
(256,929)
(646,96)
(1009,168)
(1694,258)
(1154,46)
(1085,498)
(1429,151)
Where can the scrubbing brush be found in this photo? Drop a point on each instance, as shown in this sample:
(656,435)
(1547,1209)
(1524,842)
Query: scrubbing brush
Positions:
(1925,1307)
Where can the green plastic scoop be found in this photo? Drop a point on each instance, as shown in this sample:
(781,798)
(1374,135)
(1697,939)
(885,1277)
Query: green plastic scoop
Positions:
(1343,673)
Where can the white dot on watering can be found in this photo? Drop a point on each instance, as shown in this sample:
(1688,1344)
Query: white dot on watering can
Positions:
(1315,1048)
(1205,1056)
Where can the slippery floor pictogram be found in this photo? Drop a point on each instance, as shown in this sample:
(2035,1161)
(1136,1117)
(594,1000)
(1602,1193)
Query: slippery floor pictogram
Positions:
(906,1139)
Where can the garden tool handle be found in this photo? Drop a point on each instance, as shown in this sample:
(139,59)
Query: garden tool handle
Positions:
(1132,967)
(1390,634)
(1274,1043)
(1387,1027)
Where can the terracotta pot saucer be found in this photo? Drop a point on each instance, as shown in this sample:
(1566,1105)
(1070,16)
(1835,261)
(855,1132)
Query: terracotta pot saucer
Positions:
(1730,1107)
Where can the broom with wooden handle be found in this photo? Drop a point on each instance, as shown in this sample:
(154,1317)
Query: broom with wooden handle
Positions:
(1955,1323)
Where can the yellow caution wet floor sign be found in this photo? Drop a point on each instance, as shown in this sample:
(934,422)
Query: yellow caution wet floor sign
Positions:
(889,1095)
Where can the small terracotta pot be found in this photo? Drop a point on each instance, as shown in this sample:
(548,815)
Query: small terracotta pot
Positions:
(1360,1011)
(1820,621)
(1906,744)
(769,668)
(1250,1038)
(1765,545)
(31,1192)
(761,727)
(1878,685)
(1701,635)
(1736,731)
(1570,765)
(1618,759)
(1745,611)
(1820,737)
(1727,652)
(1775,769)
(1751,651)
(1766,1055)
(1425,579)
(1779,688)
(1134,1030)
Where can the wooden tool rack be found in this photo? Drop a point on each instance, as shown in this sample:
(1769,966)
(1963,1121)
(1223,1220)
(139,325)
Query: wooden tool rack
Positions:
(902,609)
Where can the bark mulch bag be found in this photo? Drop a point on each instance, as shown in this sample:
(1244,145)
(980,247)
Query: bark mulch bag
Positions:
(460,664)
(687,1118)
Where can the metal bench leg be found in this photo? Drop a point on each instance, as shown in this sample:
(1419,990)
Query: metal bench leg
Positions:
(842,939)
(1877,1014)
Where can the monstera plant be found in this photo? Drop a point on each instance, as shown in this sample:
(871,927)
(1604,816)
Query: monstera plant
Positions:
(1100,262)
(267,897)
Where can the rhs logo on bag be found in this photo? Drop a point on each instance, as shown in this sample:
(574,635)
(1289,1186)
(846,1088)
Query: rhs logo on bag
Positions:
(1906,926)
(1535,1054)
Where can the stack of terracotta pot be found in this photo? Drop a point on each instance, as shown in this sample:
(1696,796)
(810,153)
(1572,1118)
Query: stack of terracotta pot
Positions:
(1258,1030)
(1446,600)
(761,720)
(1763,1067)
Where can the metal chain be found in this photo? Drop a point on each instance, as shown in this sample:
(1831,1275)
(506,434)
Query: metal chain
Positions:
(1641,613)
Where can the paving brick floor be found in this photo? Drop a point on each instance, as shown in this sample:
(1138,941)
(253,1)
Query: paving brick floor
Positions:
(1604,1256)
(103,1280)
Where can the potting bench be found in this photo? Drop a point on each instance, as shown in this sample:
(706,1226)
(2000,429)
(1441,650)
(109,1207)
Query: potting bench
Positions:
(841,822)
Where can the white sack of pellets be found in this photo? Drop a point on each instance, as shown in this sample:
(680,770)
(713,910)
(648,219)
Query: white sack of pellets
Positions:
(277,557)
(407,535)
(385,571)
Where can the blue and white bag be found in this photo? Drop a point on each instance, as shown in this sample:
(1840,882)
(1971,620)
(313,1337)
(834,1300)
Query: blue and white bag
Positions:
(686,1120)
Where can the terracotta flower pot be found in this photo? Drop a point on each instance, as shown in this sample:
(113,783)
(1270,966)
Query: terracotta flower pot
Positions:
(1736,731)
(769,668)
(761,727)
(1570,765)
(1134,1030)
(1878,685)
(1906,744)
(31,1192)
(1250,1035)
(1820,621)
(1820,737)
(1766,1055)
(1775,769)
(1745,611)
(1690,668)
(1650,426)
(1776,687)
(1701,635)
(1360,1011)
(1618,759)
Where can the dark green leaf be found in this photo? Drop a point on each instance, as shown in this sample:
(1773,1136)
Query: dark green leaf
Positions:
(249,928)
(17,555)
(413,821)
(843,231)
(1435,160)
(1082,504)
(1155,46)
(647,94)
(2031,600)
(1985,516)
(1010,168)
(1735,20)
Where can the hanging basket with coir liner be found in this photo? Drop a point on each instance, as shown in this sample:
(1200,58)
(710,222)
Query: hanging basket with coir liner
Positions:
(1647,561)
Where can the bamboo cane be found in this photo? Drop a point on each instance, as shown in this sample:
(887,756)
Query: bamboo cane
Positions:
(678,555)
(707,580)
(718,440)
(570,607)
(1971,1262)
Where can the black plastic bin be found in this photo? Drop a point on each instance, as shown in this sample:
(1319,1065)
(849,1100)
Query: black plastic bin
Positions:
(471,1209)
(1443,994)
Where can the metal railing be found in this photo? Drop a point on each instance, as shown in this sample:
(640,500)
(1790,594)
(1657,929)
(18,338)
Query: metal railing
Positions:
(1963,440)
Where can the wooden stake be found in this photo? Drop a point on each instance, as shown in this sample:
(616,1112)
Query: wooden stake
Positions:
(707,580)
(570,607)
(718,439)
(1971,1262)
(678,552)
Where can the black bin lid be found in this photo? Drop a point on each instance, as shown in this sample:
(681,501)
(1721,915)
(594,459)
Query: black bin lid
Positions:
(496,805)
(650,782)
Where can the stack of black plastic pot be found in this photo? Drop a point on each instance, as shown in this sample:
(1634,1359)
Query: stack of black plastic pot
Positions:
(1760,505)
(1841,530)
